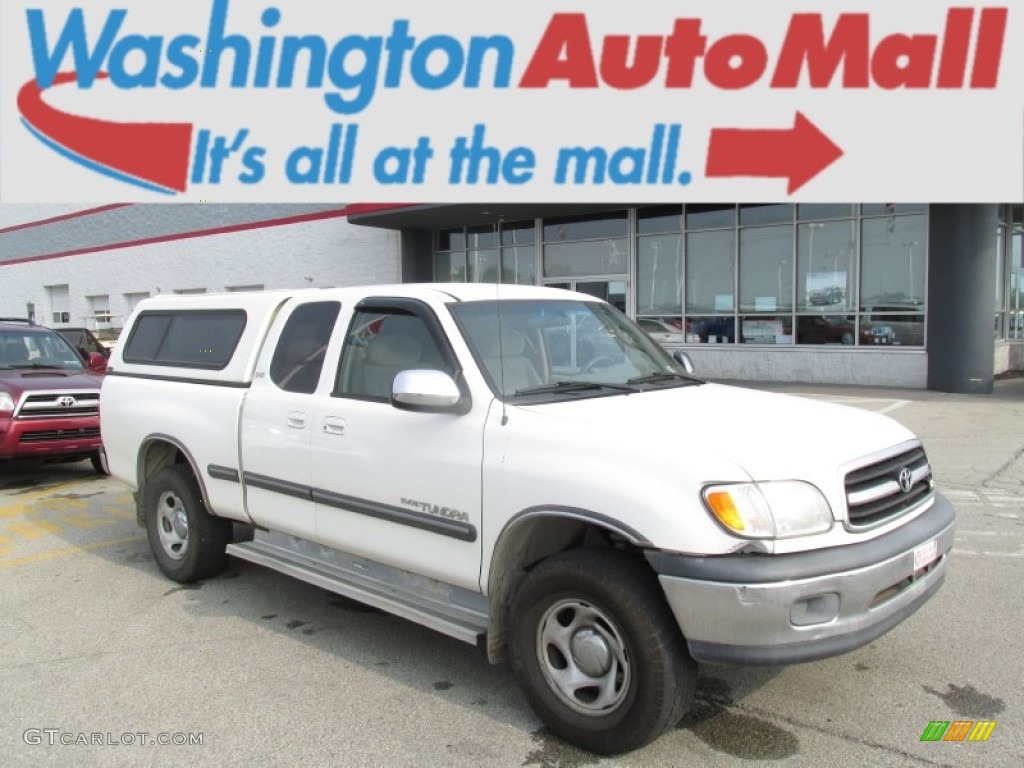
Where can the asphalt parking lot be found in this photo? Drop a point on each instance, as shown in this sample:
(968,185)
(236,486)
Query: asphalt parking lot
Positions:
(105,662)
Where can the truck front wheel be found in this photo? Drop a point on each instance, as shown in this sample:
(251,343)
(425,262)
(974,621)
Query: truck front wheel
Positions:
(598,652)
(186,540)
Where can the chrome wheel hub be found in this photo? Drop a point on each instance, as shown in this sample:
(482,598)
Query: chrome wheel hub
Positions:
(583,657)
(172,525)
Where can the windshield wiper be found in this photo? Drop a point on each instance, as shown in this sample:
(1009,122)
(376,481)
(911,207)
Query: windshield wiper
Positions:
(573,386)
(657,378)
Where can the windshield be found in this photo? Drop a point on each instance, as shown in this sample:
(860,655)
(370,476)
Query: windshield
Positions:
(30,350)
(558,347)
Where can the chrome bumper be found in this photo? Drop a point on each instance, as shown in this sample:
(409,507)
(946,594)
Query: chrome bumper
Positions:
(782,609)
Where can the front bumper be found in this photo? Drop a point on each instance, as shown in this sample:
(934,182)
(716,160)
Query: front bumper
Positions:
(783,609)
(39,438)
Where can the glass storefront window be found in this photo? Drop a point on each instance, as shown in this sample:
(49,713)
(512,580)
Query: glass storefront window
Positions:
(766,329)
(766,269)
(1001,262)
(603,257)
(839,274)
(827,263)
(612,291)
(450,267)
(451,240)
(481,237)
(601,226)
(482,266)
(892,330)
(765,214)
(519,265)
(894,260)
(710,216)
(471,255)
(519,233)
(892,209)
(665,330)
(827,329)
(659,270)
(1016,255)
(815,211)
(711,330)
(710,272)
(663,218)
(580,246)
(1015,318)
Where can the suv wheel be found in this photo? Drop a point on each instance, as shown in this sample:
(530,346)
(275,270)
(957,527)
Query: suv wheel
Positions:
(99,462)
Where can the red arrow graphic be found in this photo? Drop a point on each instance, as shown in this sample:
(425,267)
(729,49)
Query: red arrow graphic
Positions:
(157,153)
(799,153)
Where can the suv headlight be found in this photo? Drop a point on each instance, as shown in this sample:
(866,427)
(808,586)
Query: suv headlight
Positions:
(6,402)
(777,510)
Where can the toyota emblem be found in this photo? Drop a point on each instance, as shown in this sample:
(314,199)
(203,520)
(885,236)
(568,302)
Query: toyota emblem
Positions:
(906,480)
(67,402)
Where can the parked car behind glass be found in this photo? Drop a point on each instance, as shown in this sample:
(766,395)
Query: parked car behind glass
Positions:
(84,341)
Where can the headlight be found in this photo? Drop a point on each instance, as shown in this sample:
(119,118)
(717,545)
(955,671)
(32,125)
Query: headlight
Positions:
(779,510)
(6,402)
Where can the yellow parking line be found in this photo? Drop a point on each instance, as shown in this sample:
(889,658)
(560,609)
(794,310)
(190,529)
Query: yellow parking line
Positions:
(67,551)
(28,498)
(58,503)
(33,529)
(115,509)
(85,519)
(13,511)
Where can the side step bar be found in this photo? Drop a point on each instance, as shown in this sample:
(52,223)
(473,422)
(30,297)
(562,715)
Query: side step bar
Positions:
(445,608)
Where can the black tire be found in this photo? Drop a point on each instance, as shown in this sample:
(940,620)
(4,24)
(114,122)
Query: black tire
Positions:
(186,540)
(99,462)
(612,618)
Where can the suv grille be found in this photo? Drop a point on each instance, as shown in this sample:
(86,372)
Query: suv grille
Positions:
(57,404)
(60,434)
(883,490)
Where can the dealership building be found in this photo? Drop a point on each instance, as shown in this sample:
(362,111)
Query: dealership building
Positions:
(907,295)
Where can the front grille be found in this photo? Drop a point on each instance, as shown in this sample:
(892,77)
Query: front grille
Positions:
(58,404)
(874,494)
(59,434)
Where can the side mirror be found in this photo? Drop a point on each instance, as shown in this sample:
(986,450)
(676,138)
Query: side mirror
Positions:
(97,363)
(424,390)
(684,360)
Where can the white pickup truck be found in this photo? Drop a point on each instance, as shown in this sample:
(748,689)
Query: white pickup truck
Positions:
(522,467)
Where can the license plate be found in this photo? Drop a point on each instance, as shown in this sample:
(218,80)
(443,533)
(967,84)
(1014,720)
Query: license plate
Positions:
(925,554)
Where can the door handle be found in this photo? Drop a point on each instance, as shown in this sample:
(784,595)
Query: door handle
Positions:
(334,425)
(297,420)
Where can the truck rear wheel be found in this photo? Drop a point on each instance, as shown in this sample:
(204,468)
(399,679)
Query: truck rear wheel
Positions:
(186,540)
(598,652)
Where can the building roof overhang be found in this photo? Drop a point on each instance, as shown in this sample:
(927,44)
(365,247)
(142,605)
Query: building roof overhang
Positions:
(445,215)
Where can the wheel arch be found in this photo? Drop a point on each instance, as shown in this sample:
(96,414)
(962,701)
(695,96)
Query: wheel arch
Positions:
(156,452)
(534,535)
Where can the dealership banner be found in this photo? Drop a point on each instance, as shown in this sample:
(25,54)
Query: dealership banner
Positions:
(463,100)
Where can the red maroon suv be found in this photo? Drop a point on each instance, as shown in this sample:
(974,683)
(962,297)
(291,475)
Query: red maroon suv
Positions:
(49,400)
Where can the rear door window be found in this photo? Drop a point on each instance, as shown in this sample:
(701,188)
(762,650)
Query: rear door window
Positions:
(299,357)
